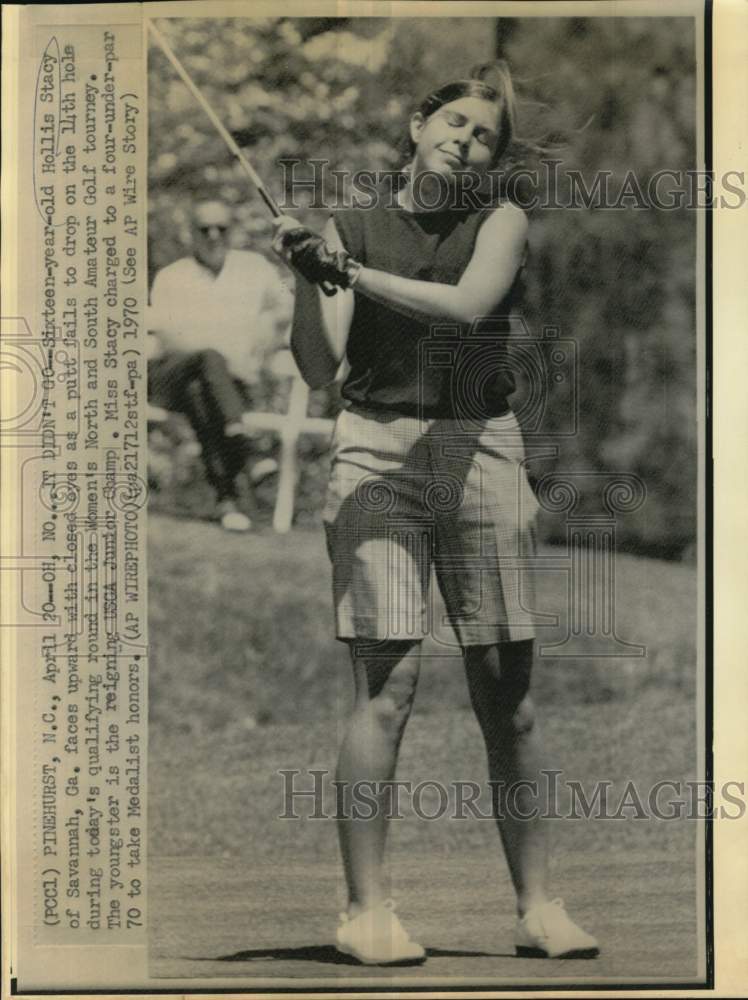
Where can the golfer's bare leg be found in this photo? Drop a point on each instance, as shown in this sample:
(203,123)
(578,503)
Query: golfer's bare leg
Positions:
(499,679)
(385,679)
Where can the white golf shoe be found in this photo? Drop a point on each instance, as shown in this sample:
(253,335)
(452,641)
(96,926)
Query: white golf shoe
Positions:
(376,937)
(231,518)
(547,931)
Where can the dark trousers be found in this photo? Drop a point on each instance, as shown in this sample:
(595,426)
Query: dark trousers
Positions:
(200,385)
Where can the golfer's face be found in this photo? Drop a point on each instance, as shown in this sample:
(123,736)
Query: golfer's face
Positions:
(211,225)
(461,135)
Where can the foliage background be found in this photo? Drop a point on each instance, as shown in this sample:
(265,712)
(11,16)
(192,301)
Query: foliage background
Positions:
(621,283)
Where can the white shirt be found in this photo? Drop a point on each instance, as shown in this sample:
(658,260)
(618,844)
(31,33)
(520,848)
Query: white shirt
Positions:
(238,311)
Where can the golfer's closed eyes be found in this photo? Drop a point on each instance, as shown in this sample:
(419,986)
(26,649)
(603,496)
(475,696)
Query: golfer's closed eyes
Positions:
(456,120)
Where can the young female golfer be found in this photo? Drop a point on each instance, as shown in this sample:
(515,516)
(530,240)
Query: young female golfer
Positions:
(427,469)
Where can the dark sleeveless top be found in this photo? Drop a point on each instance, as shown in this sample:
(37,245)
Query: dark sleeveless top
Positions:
(398,363)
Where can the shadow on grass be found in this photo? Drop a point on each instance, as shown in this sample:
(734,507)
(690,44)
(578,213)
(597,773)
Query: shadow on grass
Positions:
(329,955)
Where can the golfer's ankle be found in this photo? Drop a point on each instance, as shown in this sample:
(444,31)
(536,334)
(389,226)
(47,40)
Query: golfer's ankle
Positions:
(363,903)
(526,901)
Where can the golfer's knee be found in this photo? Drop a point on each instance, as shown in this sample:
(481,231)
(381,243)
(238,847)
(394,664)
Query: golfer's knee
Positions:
(521,722)
(391,707)
(499,679)
(508,721)
(386,677)
(390,713)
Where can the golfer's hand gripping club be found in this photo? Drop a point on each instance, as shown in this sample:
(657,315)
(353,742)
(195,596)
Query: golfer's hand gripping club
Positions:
(308,253)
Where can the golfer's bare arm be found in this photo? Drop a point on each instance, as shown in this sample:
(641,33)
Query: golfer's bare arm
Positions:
(498,254)
(321,323)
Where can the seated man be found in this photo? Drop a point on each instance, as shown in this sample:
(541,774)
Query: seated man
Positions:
(215,316)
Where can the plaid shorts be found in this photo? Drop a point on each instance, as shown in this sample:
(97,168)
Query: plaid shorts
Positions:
(406,495)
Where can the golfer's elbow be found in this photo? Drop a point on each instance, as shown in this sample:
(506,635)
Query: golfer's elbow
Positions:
(458,312)
(466,307)
(464,316)
(454,306)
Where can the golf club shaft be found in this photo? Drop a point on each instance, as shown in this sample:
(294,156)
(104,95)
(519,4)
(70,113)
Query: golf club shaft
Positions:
(249,170)
(218,125)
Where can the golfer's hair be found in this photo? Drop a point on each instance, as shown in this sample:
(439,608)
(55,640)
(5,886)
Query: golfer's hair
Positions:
(490,81)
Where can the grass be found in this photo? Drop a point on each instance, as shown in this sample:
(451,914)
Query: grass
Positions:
(245,923)
(246,679)
(222,796)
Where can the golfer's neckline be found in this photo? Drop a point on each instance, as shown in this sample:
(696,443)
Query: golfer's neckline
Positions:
(424,213)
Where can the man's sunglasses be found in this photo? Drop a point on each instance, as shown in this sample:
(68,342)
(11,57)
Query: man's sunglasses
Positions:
(205,230)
